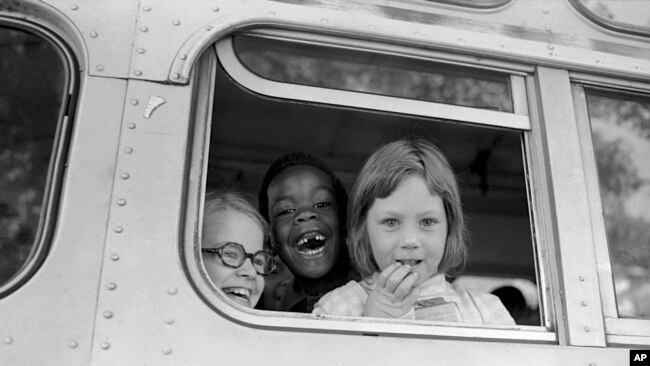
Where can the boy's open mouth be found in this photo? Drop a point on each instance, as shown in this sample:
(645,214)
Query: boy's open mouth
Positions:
(410,262)
(239,294)
(311,243)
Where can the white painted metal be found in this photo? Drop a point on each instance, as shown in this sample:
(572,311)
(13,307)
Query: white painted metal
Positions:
(51,317)
(162,311)
(579,279)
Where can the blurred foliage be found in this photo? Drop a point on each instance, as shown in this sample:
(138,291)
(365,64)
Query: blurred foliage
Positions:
(621,136)
(31,88)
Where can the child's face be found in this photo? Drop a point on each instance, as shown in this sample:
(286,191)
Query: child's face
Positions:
(304,216)
(242,284)
(409,226)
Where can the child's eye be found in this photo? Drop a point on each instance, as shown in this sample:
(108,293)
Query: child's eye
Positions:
(322,204)
(390,222)
(285,211)
(428,222)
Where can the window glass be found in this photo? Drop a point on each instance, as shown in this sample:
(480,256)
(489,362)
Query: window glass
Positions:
(631,16)
(250,131)
(32,86)
(620,126)
(374,73)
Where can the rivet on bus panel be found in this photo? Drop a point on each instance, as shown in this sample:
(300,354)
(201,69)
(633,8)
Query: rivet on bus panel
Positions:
(108,314)
(134,102)
(128,150)
(182,56)
(141,50)
(131,125)
(74,6)
(100,67)
(167,351)
(137,73)
(176,75)
(115,257)
(144,29)
(118,229)
(169,321)
(583,303)
(172,290)
(125,176)
(93,34)
(582,278)
(73,344)
(147,8)
(121,202)
(215,9)
(176,22)
(105,345)
(111,286)
(587,329)
(8,340)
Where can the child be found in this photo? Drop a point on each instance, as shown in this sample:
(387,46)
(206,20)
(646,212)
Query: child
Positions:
(305,204)
(232,246)
(406,233)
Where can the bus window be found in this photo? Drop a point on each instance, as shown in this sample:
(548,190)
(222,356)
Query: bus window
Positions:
(249,131)
(621,139)
(33,81)
(626,16)
(374,73)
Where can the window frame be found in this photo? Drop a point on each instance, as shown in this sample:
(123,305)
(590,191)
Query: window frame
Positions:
(619,331)
(58,158)
(543,334)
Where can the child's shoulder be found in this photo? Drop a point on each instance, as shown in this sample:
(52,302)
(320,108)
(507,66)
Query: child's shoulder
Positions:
(489,306)
(348,299)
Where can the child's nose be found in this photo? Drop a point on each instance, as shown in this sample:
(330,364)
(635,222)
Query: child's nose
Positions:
(247,269)
(306,214)
(410,238)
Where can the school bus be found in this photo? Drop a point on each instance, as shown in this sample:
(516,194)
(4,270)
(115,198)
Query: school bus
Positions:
(117,117)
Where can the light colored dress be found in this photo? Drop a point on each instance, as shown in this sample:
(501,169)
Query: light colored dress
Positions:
(438,301)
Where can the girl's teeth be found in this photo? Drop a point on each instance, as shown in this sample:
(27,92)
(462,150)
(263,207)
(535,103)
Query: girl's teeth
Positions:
(313,252)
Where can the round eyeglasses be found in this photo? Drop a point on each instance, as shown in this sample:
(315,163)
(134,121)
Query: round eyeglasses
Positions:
(234,255)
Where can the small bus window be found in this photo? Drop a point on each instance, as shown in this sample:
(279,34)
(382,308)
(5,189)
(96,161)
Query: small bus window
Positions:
(32,89)
(374,73)
(250,131)
(621,137)
(626,16)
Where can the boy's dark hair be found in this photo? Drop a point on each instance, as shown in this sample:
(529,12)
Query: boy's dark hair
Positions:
(296,159)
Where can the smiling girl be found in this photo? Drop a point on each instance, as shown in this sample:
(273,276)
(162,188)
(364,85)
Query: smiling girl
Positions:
(406,232)
(306,206)
(232,247)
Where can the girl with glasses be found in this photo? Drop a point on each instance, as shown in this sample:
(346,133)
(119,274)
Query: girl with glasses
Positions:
(232,247)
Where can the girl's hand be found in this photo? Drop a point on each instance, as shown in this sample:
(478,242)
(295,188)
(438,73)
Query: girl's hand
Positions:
(394,295)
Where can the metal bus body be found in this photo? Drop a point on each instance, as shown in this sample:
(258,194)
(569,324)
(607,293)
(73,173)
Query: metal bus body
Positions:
(115,275)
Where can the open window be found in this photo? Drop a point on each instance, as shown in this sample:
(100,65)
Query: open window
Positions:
(35,86)
(277,93)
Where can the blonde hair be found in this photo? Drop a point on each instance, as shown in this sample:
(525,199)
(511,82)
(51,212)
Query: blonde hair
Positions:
(224,199)
(380,176)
